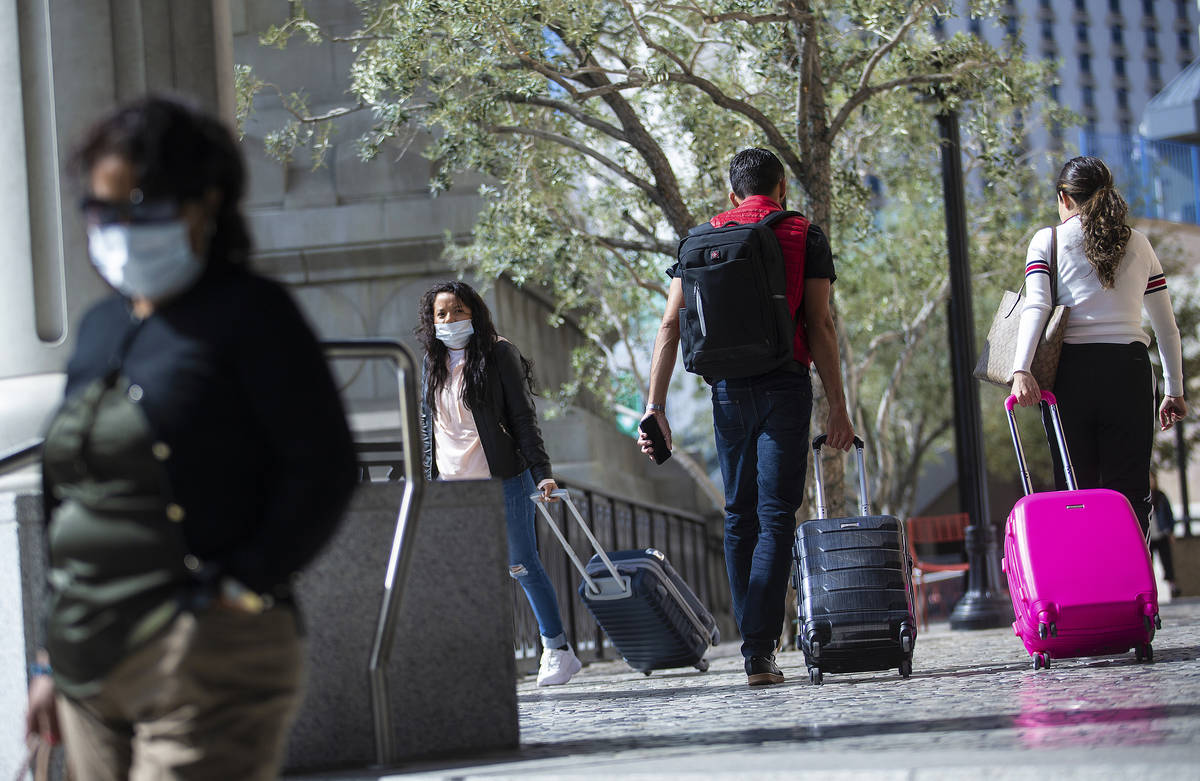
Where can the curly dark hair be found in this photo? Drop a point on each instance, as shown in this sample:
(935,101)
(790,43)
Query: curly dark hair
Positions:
(479,346)
(1102,211)
(178,152)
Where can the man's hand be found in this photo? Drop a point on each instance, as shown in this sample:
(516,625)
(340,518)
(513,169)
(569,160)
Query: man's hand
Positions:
(839,431)
(644,441)
(1026,389)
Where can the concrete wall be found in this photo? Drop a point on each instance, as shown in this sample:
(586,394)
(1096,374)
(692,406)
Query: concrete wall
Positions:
(453,676)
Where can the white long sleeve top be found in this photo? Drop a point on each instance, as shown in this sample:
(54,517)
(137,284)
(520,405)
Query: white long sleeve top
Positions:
(1112,316)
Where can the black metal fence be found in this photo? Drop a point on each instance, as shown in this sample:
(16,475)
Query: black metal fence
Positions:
(619,524)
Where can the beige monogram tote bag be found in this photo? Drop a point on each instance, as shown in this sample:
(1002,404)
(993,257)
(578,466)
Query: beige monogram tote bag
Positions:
(1000,348)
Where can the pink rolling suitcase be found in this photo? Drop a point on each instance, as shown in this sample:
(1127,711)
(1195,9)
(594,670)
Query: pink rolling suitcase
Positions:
(1078,568)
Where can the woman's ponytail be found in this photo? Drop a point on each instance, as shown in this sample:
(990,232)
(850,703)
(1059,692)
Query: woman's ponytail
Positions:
(1103,213)
(1105,233)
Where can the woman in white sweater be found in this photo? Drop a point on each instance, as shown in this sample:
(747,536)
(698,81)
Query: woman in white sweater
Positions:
(1107,273)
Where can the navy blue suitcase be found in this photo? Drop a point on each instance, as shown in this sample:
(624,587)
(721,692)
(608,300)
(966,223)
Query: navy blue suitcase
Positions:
(853,587)
(648,611)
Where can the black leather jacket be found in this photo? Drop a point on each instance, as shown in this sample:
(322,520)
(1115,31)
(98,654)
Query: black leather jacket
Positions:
(507,423)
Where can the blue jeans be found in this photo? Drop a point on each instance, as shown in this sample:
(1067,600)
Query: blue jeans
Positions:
(523,561)
(761,426)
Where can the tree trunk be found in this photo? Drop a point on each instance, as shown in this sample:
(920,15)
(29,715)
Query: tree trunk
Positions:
(812,136)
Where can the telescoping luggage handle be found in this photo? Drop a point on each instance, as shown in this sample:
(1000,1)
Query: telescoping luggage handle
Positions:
(593,589)
(864,502)
(1049,400)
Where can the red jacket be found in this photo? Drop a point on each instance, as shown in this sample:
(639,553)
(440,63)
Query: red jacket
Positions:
(792,233)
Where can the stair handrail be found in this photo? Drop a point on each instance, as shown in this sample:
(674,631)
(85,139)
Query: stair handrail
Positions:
(406,524)
(21,457)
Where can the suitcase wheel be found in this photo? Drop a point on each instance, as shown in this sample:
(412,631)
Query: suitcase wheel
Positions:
(814,676)
(1054,629)
(1145,653)
(815,645)
(1157,621)
(1041,660)
(702,665)
(647,672)
(905,668)
(1043,630)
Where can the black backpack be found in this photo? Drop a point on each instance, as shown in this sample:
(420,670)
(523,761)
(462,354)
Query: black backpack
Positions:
(735,320)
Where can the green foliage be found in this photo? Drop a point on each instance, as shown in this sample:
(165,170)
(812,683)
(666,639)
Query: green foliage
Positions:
(604,128)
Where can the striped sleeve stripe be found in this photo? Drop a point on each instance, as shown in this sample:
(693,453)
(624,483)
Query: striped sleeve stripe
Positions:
(1156,283)
(1037,267)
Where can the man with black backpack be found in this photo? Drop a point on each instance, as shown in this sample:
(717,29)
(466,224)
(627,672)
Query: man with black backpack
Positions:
(749,298)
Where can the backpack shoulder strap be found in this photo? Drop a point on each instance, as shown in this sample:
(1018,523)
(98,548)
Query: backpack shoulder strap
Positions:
(775,217)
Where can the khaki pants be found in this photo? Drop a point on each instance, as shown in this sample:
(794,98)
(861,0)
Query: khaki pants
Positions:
(211,698)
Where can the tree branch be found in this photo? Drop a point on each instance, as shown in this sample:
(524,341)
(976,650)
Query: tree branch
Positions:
(557,138)
(570,110)
(667,194)
(912,337)
(653,287)
(637,246)
(728,16)
(863,95)
(717,95)
(869,69)
(633,222)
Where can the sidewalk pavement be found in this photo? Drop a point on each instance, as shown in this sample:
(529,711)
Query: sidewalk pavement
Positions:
(974,708)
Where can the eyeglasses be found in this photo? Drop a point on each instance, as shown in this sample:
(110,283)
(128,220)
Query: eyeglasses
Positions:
(99,212)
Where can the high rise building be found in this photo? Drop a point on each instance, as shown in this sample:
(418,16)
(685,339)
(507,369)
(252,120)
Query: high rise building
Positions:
(1113,55)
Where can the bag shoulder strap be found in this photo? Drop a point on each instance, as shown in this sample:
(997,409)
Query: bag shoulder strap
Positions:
(1053,275)
(773,217)
(1053,266)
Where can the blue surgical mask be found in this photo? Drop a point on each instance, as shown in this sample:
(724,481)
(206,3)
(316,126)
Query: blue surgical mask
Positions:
(454,335)
(153,261)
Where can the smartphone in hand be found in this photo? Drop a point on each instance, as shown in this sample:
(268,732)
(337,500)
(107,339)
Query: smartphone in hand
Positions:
(649,427)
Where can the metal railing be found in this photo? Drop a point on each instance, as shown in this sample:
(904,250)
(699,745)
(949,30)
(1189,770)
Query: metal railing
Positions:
(619,524)
(1159,179)
(406,524)
(23,456)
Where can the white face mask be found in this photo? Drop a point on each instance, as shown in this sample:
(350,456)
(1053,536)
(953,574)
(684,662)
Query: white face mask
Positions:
(454,335)
(152,261)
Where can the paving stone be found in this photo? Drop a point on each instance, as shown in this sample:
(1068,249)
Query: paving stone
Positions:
(973,708)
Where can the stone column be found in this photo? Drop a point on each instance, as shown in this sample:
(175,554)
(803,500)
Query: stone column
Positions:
(62,65)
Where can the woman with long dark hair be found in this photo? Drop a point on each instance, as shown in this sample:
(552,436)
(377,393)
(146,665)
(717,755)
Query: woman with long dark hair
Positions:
(478,422)
(200,458)
(1108,274)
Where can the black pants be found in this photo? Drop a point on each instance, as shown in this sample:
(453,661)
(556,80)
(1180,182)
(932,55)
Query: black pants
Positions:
(1106,402)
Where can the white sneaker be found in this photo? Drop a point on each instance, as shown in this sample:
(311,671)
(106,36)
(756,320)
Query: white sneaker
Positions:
(558,667)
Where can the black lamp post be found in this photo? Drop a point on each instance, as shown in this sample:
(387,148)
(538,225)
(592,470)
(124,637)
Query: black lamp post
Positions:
(983,606)
(1181,456)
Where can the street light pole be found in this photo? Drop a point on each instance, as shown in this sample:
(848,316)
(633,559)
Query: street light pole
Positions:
(1181,456)
(980,607)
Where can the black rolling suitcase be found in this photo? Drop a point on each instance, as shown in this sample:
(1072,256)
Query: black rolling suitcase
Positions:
(649,613)
(853,583)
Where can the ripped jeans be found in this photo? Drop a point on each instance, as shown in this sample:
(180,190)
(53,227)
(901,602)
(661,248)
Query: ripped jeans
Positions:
(523,561)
